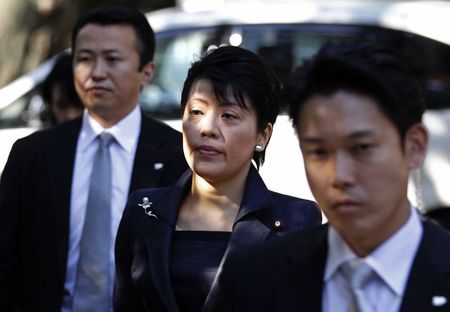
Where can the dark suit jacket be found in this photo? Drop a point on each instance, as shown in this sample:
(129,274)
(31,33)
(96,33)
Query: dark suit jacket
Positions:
(34,207)
(143,242)
(287,274)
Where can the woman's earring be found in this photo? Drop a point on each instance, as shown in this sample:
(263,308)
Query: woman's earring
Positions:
(258,148)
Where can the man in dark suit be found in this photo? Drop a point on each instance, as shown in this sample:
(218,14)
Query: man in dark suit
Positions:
(45,188)
(357,111)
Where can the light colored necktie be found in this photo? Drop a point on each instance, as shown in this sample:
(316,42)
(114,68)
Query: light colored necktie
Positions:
(358,274)
(92,288)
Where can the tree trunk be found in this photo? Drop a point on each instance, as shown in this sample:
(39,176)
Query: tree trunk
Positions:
(31,31)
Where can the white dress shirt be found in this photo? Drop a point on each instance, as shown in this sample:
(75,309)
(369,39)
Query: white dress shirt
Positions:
(391,261)
(123,150)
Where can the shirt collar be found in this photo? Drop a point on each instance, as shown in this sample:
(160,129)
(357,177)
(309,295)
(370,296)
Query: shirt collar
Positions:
(403,244)
(125,132)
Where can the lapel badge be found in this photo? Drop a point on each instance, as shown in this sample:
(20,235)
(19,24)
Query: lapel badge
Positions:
(438,301)
(146,203)
(278,226)
(158,166)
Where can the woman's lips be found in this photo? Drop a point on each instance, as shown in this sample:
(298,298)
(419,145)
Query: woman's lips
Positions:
(206,150)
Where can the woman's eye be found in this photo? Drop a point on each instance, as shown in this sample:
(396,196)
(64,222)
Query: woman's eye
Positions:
(229,116)
(196,112)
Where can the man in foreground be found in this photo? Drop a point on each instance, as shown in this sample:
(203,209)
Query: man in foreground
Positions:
(357,112)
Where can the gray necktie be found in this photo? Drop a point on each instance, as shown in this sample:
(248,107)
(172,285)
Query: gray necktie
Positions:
(358,274)
(92,288)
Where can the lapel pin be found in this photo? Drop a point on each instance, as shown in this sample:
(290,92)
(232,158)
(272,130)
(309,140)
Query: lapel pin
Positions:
(146,203)
(438,301)
(158,166)
(278,225)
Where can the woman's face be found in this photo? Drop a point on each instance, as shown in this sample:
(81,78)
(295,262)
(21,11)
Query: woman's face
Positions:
(219,138)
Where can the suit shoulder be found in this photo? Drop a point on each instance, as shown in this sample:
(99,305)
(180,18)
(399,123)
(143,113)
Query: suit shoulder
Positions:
(46,136)
(287,248)
(284,198)
(437,241)
(161,126)
(298,213)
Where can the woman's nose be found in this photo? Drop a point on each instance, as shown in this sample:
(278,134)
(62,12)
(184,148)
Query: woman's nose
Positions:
(209,126)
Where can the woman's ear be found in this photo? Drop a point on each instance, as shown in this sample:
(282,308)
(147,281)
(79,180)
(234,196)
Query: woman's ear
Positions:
(264,136)
(415,143)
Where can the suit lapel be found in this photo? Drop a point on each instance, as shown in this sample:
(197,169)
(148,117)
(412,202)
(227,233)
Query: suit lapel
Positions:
(247,228)
(147,167)
(429,280)
(60,162)
(158,253)
(300,286)
(159,241)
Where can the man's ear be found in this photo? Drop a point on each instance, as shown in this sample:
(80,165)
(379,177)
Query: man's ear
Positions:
(415,143)
(147,73)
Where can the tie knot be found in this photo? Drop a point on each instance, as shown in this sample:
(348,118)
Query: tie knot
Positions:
(357,273)
(105,139)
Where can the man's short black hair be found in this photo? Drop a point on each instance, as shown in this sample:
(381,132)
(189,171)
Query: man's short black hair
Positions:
(246,75)
(366,68)
(117,15)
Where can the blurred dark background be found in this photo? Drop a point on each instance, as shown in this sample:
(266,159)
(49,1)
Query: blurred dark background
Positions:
(33,30)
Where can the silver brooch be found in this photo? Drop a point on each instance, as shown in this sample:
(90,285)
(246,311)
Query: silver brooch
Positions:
(146,203)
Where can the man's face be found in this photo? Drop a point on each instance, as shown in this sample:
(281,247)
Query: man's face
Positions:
(106,71)
(356,166)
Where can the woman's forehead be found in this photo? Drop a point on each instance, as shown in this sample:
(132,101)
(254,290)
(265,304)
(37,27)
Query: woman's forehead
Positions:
(225,95)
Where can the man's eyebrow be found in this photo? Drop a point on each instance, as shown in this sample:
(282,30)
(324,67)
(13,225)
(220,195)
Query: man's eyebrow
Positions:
(361,133)
(109,51)
(106,51)
(312,139)
(79,51)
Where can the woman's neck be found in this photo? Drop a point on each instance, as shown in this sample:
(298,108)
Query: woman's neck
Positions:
(211,206)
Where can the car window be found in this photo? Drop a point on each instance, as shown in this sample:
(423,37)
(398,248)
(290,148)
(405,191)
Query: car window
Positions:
(285,46)
(25,111)
(175,51)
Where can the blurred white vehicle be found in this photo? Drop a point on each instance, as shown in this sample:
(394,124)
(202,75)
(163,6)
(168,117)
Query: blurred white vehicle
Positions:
(284,33)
